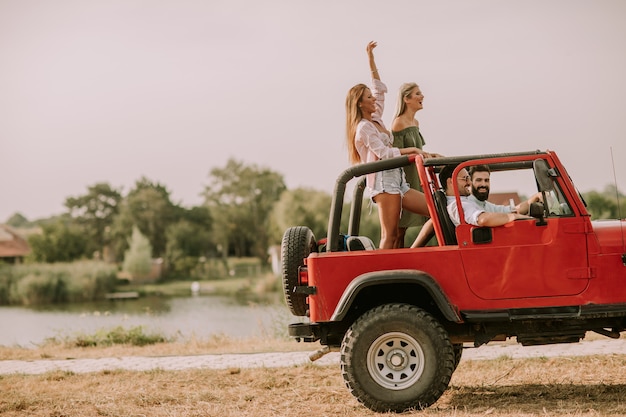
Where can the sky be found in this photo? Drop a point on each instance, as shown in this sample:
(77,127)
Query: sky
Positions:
(112,91)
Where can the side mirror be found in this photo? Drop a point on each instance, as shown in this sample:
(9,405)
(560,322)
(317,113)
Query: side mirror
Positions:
(543,176)
(537,210)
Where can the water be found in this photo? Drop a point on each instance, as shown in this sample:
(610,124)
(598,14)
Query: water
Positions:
(179,317)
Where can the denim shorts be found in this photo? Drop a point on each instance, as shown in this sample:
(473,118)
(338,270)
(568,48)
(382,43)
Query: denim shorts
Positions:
(391,181)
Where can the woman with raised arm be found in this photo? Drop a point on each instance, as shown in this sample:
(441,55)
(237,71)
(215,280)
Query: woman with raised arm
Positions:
(368,140)
(406,134)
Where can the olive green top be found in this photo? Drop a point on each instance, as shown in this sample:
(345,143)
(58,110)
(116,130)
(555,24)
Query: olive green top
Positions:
(405,138)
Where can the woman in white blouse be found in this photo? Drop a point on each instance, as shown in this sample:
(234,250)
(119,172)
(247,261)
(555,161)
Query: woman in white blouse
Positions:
(369,140)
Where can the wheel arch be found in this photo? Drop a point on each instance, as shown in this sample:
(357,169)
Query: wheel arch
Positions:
(398,282)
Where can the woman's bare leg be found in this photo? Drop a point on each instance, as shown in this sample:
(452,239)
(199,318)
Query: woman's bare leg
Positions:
(399,244)
(415,201)
(389,214)
(425,234)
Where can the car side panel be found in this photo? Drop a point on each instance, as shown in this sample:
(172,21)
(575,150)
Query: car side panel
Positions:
(331,273)
(525,259)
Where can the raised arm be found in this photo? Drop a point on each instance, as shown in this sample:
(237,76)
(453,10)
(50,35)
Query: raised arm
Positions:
(370,54)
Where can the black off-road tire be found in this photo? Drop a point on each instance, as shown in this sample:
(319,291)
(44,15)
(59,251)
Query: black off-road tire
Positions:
(458,352)
(397,357)
(298,242)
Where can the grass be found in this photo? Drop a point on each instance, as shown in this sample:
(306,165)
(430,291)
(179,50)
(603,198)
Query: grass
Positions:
(38,284)
(115,343)
(135,336)
(559,387)
(264,283)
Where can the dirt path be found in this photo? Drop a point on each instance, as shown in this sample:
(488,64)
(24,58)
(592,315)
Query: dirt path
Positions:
(280,359)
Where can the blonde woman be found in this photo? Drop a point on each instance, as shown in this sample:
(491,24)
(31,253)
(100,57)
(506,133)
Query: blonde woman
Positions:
(406,134)
(368,140)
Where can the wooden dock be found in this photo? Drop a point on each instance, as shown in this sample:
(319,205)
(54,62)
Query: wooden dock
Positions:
(128,295)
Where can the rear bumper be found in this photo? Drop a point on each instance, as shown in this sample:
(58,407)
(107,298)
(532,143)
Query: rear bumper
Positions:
(306,332)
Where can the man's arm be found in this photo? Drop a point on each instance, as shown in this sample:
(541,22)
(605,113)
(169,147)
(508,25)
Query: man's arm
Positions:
(524,206)
(498,219)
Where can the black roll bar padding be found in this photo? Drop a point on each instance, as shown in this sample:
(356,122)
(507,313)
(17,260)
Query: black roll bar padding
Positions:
(336,206)
(449,160)
(355,208)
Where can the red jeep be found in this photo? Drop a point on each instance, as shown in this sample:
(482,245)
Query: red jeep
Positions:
(400,317)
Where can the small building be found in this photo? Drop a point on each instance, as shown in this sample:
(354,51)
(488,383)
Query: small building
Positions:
(13,247)
(504,198)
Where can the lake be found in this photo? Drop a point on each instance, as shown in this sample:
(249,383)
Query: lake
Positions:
(180,317)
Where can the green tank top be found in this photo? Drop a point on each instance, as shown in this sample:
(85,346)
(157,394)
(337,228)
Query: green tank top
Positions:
(406,138)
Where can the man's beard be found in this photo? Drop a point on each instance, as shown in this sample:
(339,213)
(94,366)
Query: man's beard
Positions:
(481,195)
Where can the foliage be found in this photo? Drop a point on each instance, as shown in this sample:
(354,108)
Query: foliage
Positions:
(311,208)
(300,207)
(60,241)
(604,205)
(188,241)
(369,223)
(18,220)
(135,336)
(95,211)
(148,207)
(138,258)
(7,283)
(35,284)
(241,199)
(36,289)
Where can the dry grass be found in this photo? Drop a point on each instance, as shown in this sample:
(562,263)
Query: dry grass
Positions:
(584,386)
(192,346)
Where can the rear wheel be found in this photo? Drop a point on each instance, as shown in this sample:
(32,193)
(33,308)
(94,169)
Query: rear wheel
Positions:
(397,357)
(298,242)
(458,352)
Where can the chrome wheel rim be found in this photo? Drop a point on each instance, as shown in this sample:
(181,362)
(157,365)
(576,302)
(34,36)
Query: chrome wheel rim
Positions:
(395,360)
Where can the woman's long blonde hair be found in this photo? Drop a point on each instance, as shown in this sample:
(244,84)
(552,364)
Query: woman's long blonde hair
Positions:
(353,117)
(405,90)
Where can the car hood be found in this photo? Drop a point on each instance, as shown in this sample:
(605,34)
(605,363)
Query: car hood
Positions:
(611,235)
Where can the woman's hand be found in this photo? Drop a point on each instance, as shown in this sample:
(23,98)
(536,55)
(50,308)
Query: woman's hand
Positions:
(370,48)
(370,54)
(410,150)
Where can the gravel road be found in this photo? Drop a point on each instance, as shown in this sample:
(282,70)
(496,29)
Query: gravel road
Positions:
(280,359)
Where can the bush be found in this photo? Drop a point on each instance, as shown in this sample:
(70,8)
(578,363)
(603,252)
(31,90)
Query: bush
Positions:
(7,283)
(56,283)
(138,258)
(134,336)
(35,289)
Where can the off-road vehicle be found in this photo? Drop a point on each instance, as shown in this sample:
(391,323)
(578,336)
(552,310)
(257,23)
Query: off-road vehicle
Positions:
(401,317)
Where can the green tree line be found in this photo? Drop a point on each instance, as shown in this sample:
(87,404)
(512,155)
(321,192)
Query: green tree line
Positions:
(246,209)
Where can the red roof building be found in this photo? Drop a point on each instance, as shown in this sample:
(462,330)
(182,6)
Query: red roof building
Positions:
(13,247)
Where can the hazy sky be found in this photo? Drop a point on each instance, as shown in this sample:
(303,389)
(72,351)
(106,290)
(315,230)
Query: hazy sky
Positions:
(110,91)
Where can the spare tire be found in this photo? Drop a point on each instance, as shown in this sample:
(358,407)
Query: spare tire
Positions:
(298,242)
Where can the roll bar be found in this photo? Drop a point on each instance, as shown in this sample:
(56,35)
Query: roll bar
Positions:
(336,207)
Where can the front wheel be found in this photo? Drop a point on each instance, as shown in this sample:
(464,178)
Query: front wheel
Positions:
(397,357)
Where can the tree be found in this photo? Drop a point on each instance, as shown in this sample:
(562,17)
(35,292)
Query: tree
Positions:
(138,257)
(148,207)
(17,220)
(60,241)
(311,208)
(300,207)
(95,212)
(241,199)
(188,240)
(604,205)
